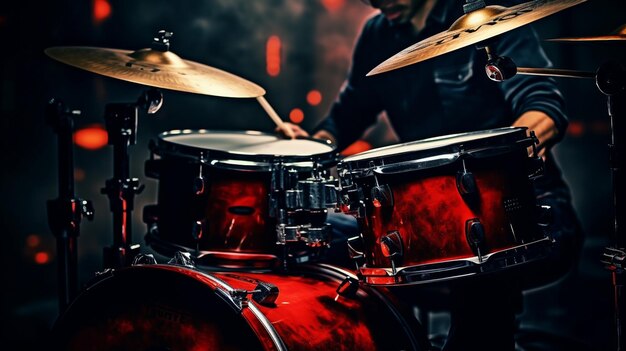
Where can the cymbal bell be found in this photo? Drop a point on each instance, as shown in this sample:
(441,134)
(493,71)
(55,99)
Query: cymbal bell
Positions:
(474,27)
(155,68)
(618,34)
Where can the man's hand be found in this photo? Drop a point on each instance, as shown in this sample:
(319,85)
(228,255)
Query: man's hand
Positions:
(299,132)
(294,128)
(542,124)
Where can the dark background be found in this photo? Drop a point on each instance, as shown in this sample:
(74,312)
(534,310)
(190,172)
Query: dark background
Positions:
(317,39)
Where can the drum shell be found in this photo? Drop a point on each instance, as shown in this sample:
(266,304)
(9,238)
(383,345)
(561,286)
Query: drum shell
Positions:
(445,208)
(431,215)
(215,201)
(167,307)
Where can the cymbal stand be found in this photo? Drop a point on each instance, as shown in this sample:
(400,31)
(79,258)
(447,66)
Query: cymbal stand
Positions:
(610,79)
(66,211)
(121,125)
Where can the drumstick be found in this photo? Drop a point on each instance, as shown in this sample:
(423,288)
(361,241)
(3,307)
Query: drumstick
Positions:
(274,116)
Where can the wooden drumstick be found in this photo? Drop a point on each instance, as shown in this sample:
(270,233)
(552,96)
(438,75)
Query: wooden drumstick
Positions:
(274,116)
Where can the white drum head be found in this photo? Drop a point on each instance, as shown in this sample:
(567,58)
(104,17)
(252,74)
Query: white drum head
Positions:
(247,143)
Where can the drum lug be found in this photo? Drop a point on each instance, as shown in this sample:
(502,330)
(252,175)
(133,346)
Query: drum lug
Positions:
(182,259)
(475,235)
(382,196)
(544,215)
(466,183)
(197,229)
(348,287)
(144,259)
(265,293)
(355,247)
(391,245)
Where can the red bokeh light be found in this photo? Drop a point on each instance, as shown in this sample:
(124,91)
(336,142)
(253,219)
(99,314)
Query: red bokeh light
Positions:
(42,257)
(296,115)
(272,55)
(92,137)
(101,10)
(333,5)
(33,240)
(314,97)
(576,128)
(356,147)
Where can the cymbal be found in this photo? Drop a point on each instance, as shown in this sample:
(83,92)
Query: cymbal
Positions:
(618,34)
(160,69)
(472,28)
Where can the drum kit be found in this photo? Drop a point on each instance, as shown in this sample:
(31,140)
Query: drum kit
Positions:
(242,216)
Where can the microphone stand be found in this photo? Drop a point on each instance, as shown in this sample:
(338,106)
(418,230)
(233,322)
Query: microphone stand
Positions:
(610,79)
(121,125)
(66,211)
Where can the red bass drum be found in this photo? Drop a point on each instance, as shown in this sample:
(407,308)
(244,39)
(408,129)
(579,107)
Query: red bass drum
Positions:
(166,307)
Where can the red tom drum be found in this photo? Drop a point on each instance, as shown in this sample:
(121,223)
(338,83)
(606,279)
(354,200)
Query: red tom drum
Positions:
(165,307)
(223,195)
(444,207)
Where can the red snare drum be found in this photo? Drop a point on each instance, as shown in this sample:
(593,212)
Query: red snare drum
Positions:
(216,190)
(164,307)
(444,207)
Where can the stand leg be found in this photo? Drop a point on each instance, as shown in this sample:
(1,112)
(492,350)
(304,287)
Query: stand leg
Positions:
(65,212)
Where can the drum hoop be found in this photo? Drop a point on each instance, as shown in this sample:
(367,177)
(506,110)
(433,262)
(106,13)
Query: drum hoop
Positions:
(514,136)
(232,160)
(464,267)
(220,287)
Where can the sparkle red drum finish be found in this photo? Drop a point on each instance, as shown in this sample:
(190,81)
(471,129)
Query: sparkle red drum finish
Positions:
(213,192)
(179,308)
(444,207)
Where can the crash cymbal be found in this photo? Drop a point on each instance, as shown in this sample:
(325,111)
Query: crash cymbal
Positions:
(472,28)
(618,34)
(161,69)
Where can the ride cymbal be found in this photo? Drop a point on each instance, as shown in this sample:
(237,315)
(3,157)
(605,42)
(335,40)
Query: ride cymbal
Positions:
(618,34)
(155,68)
(472,28)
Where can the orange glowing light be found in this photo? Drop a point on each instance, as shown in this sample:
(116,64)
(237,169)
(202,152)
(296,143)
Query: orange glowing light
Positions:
(296,115)
(356,147)
(272,55)
(575,128)
(314,97)
(33,240)
(92,137)
(333,5)
(42,257)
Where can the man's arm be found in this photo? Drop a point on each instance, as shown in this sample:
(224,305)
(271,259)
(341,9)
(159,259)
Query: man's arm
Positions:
(536,101)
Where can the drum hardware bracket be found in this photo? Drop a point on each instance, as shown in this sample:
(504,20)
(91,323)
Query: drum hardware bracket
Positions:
(348,287)
(121,125)
(391,247)
(475,234)
(66,212)
(265,293)
(182,259)
(381,195)
(144,259)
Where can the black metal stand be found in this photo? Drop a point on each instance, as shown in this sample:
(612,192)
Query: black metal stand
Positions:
(611,81)
(66,211)
(121,124)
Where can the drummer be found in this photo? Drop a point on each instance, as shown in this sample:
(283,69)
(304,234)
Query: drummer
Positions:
(451,94)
